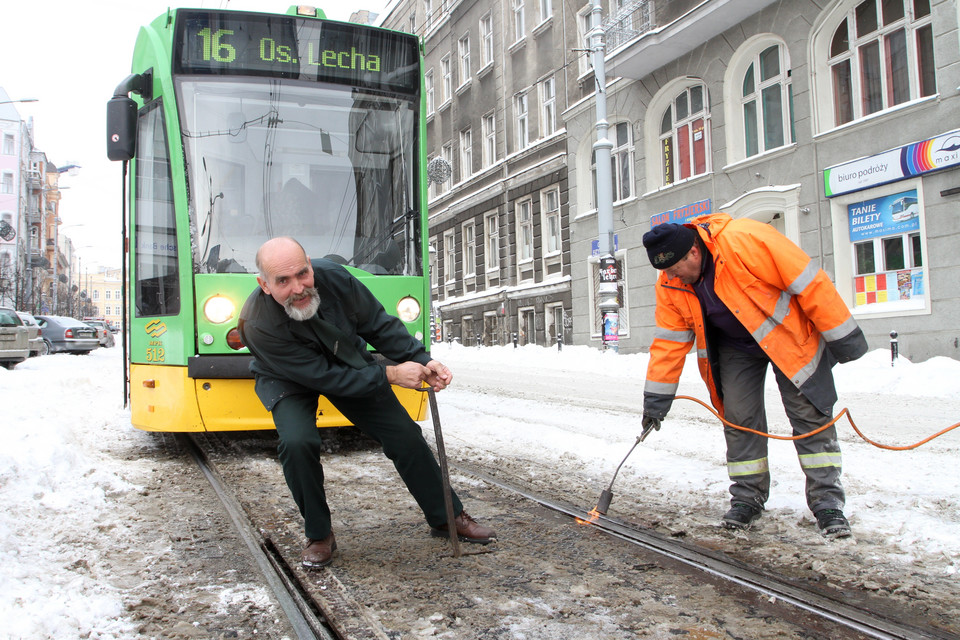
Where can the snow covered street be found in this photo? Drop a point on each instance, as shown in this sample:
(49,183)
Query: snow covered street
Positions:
(75,476)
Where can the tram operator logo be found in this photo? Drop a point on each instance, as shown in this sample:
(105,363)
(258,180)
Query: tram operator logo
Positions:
(156,328)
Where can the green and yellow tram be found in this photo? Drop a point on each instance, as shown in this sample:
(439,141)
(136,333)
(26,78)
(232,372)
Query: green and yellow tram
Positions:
(236,127)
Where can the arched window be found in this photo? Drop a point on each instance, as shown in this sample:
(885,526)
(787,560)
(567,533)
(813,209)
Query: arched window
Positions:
(621,162)
(766,98)
(684,135)
(880,54)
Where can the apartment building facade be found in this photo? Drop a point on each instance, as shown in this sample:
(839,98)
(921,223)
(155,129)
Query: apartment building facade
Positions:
(498,73)
(836,122)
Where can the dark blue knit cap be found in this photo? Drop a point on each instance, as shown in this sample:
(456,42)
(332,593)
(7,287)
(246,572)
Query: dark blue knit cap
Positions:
(667,243)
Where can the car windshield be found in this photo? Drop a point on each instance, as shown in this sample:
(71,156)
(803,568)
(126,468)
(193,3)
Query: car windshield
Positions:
(333,167)
(9,318)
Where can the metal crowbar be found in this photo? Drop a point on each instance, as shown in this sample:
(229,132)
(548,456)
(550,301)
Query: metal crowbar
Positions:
(444,471)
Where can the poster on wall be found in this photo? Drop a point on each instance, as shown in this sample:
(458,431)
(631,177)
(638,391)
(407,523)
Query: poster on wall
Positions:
(889,215)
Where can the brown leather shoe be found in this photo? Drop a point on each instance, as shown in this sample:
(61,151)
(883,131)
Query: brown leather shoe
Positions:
(318,553)
(468,530)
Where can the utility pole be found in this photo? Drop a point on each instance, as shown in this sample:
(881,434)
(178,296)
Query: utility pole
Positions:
(607,298)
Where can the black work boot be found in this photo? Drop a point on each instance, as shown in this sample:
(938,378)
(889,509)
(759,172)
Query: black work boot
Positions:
(741,515)
(832,523)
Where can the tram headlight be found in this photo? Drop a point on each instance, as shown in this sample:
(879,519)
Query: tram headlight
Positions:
(408,309)
(219,309)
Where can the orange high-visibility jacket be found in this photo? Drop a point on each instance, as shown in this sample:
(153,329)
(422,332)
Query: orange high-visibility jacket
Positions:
(777,292)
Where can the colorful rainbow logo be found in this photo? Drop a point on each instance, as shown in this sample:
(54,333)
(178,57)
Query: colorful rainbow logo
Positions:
(917,158)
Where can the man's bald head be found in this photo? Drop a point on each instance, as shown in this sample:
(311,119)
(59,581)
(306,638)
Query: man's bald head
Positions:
(287,276)
(274,248)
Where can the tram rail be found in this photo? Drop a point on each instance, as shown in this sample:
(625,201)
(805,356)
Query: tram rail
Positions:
(867,622)
(296,605)
(319,607)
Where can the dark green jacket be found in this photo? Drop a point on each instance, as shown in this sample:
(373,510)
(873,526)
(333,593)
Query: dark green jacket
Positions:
(289,357)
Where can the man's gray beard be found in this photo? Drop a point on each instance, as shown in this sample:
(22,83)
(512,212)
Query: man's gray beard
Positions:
(305,313)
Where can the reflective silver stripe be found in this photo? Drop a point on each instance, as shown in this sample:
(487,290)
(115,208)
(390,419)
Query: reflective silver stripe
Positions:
(702,354)
(661,388)
(840,331)
(779,313)
(819,460)
(804,279)
(673,336)
(747,467)
(800,377)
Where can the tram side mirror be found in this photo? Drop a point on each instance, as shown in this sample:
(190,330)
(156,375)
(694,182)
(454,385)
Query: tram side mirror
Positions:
(121,128)
(439,170)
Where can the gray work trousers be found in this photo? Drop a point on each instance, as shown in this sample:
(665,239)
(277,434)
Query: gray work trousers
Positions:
(742,378)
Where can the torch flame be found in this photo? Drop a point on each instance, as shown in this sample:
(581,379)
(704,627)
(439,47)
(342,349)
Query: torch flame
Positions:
(594,516)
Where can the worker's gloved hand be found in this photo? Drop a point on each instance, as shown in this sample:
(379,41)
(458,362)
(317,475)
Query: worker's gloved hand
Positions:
(649,423)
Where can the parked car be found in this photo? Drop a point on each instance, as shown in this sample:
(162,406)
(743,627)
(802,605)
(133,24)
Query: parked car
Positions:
(37,346)
(68,334)
(14,343)
(103,329)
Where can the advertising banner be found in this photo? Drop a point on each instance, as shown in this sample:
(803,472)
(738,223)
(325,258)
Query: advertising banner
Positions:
(910,160)
(886,216)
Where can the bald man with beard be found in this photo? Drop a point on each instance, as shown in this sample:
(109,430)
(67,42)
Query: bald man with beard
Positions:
(307,326)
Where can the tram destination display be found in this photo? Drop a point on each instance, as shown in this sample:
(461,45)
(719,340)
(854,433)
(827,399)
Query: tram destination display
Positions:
(237,43)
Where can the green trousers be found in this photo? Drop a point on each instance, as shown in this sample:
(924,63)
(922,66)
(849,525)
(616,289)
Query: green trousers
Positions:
(381,417)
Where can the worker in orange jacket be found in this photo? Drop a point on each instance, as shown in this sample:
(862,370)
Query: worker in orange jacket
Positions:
(749,297)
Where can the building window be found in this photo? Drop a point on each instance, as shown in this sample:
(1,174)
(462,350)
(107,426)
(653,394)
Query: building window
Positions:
(492,227)
(463,47)
(427,14)
(6,185)
(621,163)
(548,107)
(486,40)
(550,210)
(449,258)
(887,252)
(880,55)
(434,263)
(524,231)
(767,100)
(489,126)
(684,135)
(106,294)
(523,128)
(446,152)
(585,59)
(519,27)
(469,249)
(9,148)
(428,86)
(466,154)
(446,79)
(546,10)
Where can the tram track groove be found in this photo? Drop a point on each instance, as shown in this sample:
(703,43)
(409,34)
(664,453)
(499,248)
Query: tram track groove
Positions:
(296,606)
(869,623)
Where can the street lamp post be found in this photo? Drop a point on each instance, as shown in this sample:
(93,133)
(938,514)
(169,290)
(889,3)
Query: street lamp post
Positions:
(607,297)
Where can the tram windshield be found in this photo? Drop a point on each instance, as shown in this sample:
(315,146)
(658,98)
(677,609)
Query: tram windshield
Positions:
(334,167)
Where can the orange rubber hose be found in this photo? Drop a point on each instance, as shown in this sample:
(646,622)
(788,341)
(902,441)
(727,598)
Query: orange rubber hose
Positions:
(843,412)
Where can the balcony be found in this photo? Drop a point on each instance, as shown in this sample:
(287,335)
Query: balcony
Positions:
(644,35)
